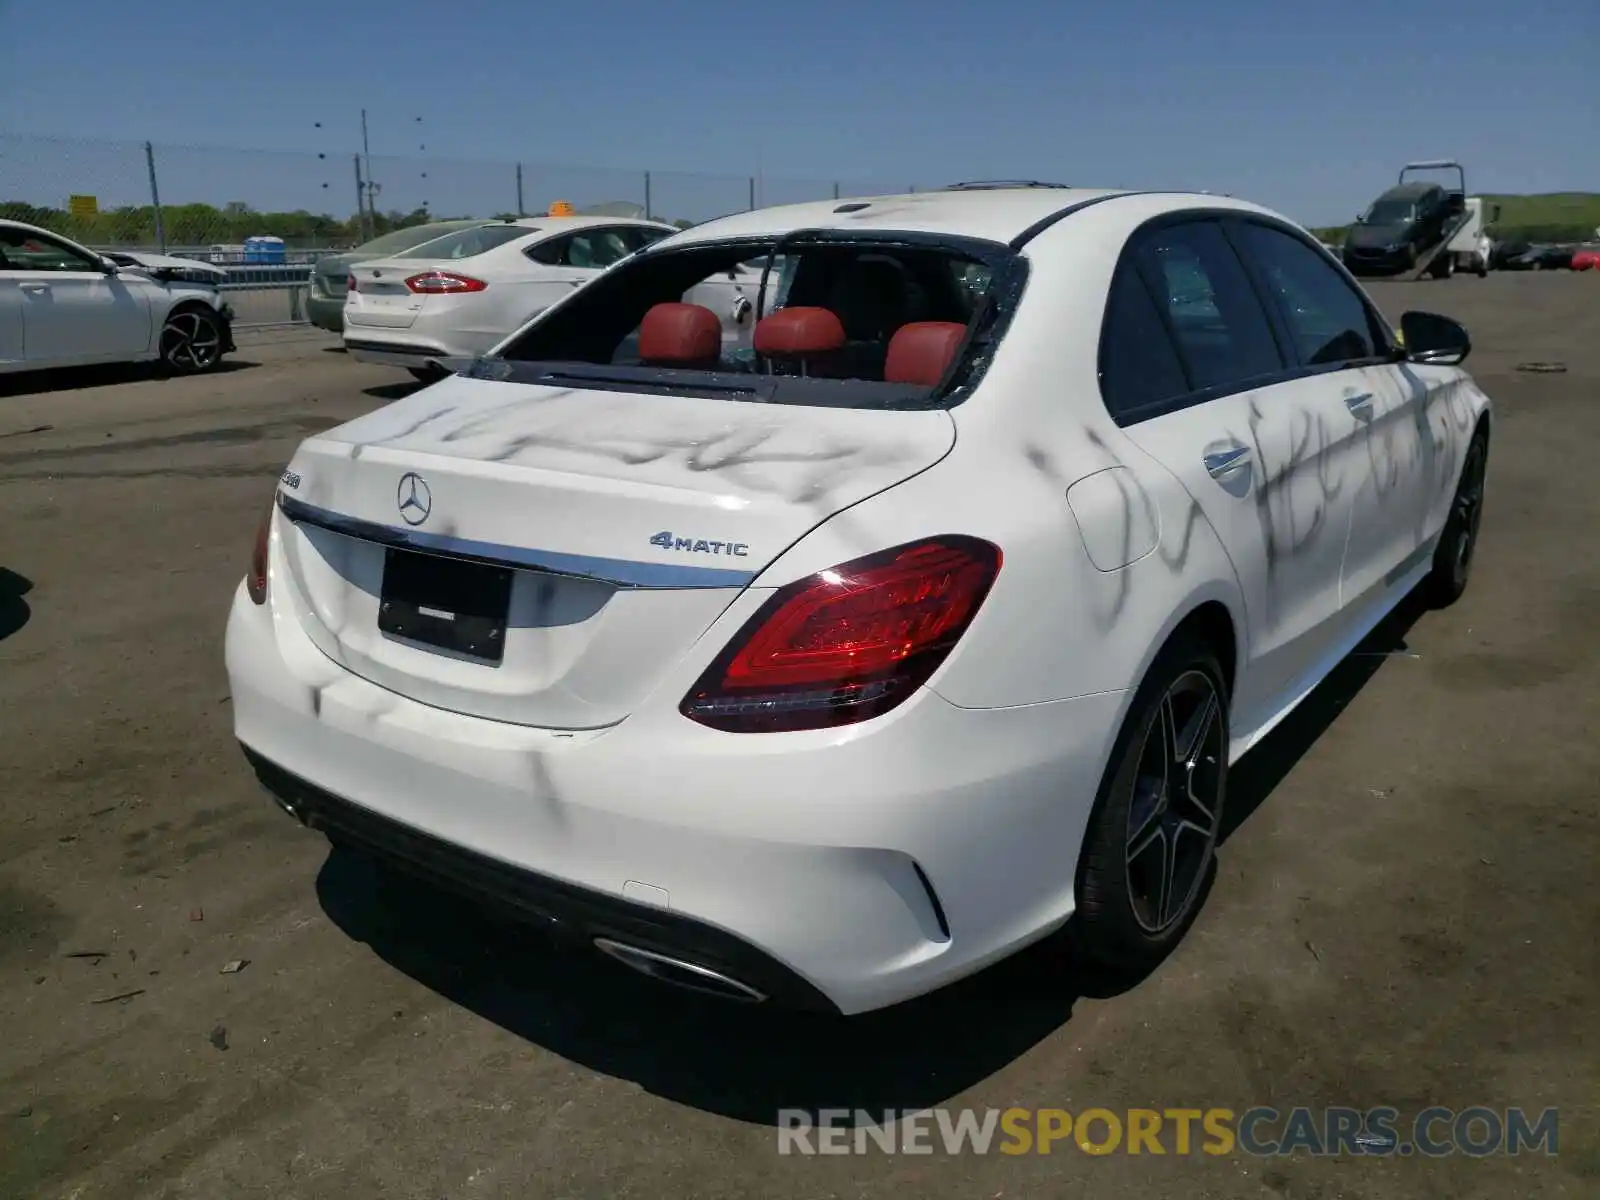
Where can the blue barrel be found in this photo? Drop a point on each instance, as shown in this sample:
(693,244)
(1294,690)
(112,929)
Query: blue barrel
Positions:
(263,250)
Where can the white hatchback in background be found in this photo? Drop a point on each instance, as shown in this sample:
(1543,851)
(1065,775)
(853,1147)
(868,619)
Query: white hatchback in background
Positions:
(64,305)
(830,665)
(461,294)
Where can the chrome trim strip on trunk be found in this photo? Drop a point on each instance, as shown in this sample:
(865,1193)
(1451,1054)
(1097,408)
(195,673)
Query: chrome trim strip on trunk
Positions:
(621,572)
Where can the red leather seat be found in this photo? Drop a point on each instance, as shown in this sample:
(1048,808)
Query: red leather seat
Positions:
(922,352)
(810,337)
(680,335)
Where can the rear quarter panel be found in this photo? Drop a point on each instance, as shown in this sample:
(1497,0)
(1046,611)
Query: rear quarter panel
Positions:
(1057,624)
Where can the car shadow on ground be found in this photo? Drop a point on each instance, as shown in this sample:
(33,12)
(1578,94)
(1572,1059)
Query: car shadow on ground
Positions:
(1254,777)
(71,379)
(393,391)
(748,1062)
(14,610)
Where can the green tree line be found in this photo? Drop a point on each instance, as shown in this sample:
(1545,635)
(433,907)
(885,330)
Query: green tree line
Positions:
(1524,218)
(1502,232)
(207,225)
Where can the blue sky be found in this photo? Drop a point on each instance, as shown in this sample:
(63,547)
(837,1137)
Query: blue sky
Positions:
(1309,110)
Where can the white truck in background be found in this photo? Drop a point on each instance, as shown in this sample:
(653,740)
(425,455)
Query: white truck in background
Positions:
(1470,247)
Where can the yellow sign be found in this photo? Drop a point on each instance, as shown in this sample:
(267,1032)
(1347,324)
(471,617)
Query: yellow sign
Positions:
(561,208)
(83,206)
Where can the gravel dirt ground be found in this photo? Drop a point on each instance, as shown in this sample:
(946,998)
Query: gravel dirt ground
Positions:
(1405,912)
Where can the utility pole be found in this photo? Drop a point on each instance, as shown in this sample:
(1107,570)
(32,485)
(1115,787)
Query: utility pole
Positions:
(366,156)
(361,203)
(155,198)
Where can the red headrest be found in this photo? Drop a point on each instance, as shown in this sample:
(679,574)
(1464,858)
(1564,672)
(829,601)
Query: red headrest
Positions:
(799,332)
(922,352)
(680,333)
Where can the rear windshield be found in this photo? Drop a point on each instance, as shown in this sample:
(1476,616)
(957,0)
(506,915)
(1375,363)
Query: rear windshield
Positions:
(1391,212)
(873,287)
(465,243)
(404,239)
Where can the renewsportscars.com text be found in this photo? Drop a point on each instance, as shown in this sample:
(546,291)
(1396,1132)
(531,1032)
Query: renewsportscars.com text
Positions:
(1259,1131)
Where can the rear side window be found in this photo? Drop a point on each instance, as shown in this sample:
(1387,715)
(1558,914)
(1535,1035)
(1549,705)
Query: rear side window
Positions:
(1139,367)
(592,248)
(1222,331)
(640,236)
(466,243)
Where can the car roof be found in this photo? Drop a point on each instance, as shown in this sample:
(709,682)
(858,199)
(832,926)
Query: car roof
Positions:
(567,224)
(996,214)
(6,221)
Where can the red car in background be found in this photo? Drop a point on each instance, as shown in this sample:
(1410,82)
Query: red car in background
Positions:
(1586,258)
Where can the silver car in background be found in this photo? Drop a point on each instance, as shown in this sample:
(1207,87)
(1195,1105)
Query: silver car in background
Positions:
(325,300)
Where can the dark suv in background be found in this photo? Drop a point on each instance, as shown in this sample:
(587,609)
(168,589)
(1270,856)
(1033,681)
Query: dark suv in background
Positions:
(1400,225)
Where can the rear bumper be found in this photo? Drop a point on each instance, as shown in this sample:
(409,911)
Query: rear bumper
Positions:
(1376,260)
(571,915)
(364,347)
(862,866)
(325,313)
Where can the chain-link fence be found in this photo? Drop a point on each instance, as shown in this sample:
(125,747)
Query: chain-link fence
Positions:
(266,215)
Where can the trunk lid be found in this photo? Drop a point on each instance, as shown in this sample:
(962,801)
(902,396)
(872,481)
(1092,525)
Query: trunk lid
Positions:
(382,299)
(623,524)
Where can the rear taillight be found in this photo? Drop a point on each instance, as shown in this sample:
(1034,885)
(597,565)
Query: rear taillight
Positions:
(848,643)
(437,283)
(350,284)
(256,582)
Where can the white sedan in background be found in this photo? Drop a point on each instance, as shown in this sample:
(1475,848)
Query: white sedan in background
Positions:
(64,305)
(459,295)
(830,668)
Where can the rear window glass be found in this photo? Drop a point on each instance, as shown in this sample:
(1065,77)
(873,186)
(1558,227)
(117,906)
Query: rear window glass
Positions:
(1390,212)
(414,235)
(465,243)
(868,292)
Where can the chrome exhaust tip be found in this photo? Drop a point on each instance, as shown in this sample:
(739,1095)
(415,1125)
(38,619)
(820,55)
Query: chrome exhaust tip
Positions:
(679,973)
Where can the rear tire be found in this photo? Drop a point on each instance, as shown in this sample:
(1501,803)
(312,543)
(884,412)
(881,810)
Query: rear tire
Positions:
(1150,849)
(1458,543)
(1444,266)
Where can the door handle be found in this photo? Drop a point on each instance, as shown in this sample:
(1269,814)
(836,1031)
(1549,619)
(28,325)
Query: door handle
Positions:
(1223,463)
(36,288)
(1360,406)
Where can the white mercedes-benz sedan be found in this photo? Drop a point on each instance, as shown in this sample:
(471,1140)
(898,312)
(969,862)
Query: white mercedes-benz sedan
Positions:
(828,665)
(64,305)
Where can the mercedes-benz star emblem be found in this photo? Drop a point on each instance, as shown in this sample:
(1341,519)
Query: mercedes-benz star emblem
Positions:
(414,498)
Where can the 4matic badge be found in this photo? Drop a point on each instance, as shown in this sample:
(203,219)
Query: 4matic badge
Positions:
(672,541)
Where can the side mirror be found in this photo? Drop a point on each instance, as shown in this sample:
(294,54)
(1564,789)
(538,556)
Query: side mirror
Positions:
(1432,340)
(108,267)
